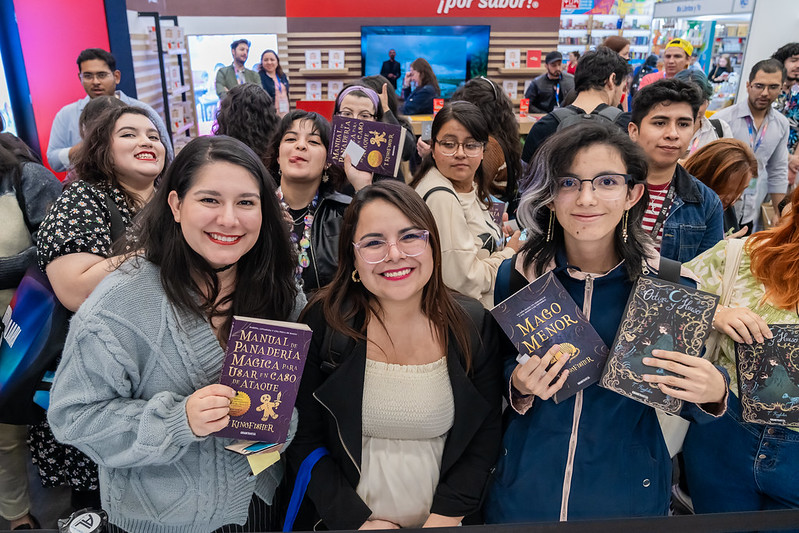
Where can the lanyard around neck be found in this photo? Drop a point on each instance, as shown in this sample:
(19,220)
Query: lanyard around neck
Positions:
(751,124)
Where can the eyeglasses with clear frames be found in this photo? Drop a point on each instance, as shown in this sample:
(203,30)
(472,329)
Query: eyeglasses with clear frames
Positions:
(374,251)
(470,148)
(89,76)
(363,115)
(608,186)
(761,86)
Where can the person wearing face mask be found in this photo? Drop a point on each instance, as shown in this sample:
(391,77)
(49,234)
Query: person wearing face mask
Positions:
(120,160)
(597,454)
(403,382)
(419,88)
(309,193)
(451,182)
(138,387)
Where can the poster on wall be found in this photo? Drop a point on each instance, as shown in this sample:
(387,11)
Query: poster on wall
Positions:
(209,53)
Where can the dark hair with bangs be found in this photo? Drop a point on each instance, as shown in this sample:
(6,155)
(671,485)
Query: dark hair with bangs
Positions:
(785,51)
(665,92)
(470,117)
(94,162)
(247,113)
(265,282)
(342,299)
(553,160)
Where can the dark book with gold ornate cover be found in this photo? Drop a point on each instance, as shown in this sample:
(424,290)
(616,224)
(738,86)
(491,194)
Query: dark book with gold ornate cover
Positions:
(373,146)
(660,315)
(768,377)
(543,314)
(264,361)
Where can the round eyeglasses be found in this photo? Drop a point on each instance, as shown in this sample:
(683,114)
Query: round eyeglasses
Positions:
(470,148)
(363,115)
(608,186)
(374,251)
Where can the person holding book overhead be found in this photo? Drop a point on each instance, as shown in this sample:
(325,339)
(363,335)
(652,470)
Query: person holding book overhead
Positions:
(309,192)
(451,181)
(596,454)
(137,389)
(402,384)
(735,465)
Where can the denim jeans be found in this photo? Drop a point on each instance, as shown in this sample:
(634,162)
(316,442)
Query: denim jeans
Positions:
(732,465)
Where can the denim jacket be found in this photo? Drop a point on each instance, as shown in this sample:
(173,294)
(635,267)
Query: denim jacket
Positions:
(695,222)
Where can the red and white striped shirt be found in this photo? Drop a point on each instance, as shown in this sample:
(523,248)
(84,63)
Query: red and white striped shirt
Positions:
(657,193)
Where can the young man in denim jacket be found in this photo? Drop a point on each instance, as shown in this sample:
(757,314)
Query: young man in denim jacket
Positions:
(684,216)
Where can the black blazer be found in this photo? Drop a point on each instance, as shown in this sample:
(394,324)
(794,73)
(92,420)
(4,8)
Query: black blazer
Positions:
(330,407)
(269,84)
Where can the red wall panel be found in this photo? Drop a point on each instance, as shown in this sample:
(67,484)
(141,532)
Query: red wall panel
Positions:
(52,34)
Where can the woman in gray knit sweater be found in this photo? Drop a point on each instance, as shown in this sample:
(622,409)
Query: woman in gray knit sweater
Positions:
(137,386)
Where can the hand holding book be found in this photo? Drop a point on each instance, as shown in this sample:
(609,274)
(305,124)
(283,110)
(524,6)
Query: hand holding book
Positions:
(357,178)
(532,377)
(695,379)
(741,324)
(207,409)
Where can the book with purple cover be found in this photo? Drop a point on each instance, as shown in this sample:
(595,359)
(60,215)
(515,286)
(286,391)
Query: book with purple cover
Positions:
(373,146)
(264,361)
(543,314)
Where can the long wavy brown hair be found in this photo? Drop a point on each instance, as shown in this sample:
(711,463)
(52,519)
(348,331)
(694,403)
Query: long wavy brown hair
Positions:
(724,165)
(343,298)
(775,256)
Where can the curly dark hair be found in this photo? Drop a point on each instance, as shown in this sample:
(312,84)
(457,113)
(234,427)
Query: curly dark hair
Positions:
(248,114)
(94,162)
(786,51)
(671,90)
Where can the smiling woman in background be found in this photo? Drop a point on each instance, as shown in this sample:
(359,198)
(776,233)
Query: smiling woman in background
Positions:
(274,81)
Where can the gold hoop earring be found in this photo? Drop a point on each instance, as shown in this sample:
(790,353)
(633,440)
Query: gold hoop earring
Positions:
(551,222)
(355,277)
(624,225)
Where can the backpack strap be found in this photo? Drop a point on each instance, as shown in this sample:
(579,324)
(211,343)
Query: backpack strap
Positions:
(436,189)
(669,270)
(562,113)
(611,113)
(509,280)
(717,126)
(117,224)
(337,344)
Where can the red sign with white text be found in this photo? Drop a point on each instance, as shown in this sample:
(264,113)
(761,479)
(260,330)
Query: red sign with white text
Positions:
(422,8)
(533,58)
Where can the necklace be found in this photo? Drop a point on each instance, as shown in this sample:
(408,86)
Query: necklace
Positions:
(302,239)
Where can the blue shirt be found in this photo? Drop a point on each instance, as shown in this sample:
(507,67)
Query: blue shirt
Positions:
(65,132)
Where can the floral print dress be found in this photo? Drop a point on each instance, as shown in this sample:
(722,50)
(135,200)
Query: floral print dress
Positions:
(78,222)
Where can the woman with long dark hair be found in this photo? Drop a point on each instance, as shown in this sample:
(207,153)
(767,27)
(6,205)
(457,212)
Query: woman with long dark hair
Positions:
(274,81)
(597,454)
(409,404)
(451,182)
(419,88)
(120,160)
(137,389)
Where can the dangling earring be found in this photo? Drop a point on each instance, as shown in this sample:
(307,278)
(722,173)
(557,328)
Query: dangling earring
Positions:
(549,229)
(279,173)
(624,225)
(325,177)
(355,277)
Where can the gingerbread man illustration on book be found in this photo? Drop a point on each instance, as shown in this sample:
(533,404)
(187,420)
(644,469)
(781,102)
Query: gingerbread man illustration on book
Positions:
(268,406)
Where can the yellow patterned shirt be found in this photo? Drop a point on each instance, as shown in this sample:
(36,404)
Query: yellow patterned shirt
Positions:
(747,292)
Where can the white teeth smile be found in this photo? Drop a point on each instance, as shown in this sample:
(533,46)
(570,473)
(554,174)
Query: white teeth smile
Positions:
(223,238)
(397,273)
(145,156)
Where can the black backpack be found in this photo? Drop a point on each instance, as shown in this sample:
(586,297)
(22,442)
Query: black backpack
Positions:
(566,116)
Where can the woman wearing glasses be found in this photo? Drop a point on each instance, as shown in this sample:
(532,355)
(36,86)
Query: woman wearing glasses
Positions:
(451,182)
(596,454)
(363,102)
(402,384)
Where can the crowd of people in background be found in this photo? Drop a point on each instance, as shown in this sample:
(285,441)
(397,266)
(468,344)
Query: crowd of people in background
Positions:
(155,252)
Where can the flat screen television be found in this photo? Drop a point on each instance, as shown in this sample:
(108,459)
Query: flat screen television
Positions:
(456,53)
(5,102)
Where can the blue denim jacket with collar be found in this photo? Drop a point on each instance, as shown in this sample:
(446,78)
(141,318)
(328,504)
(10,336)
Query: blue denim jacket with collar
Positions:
(695,222)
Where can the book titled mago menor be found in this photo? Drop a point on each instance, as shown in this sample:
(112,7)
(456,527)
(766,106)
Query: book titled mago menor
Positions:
(264,361)
(543,314)
(768,377)
(372,146)
(660,315)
